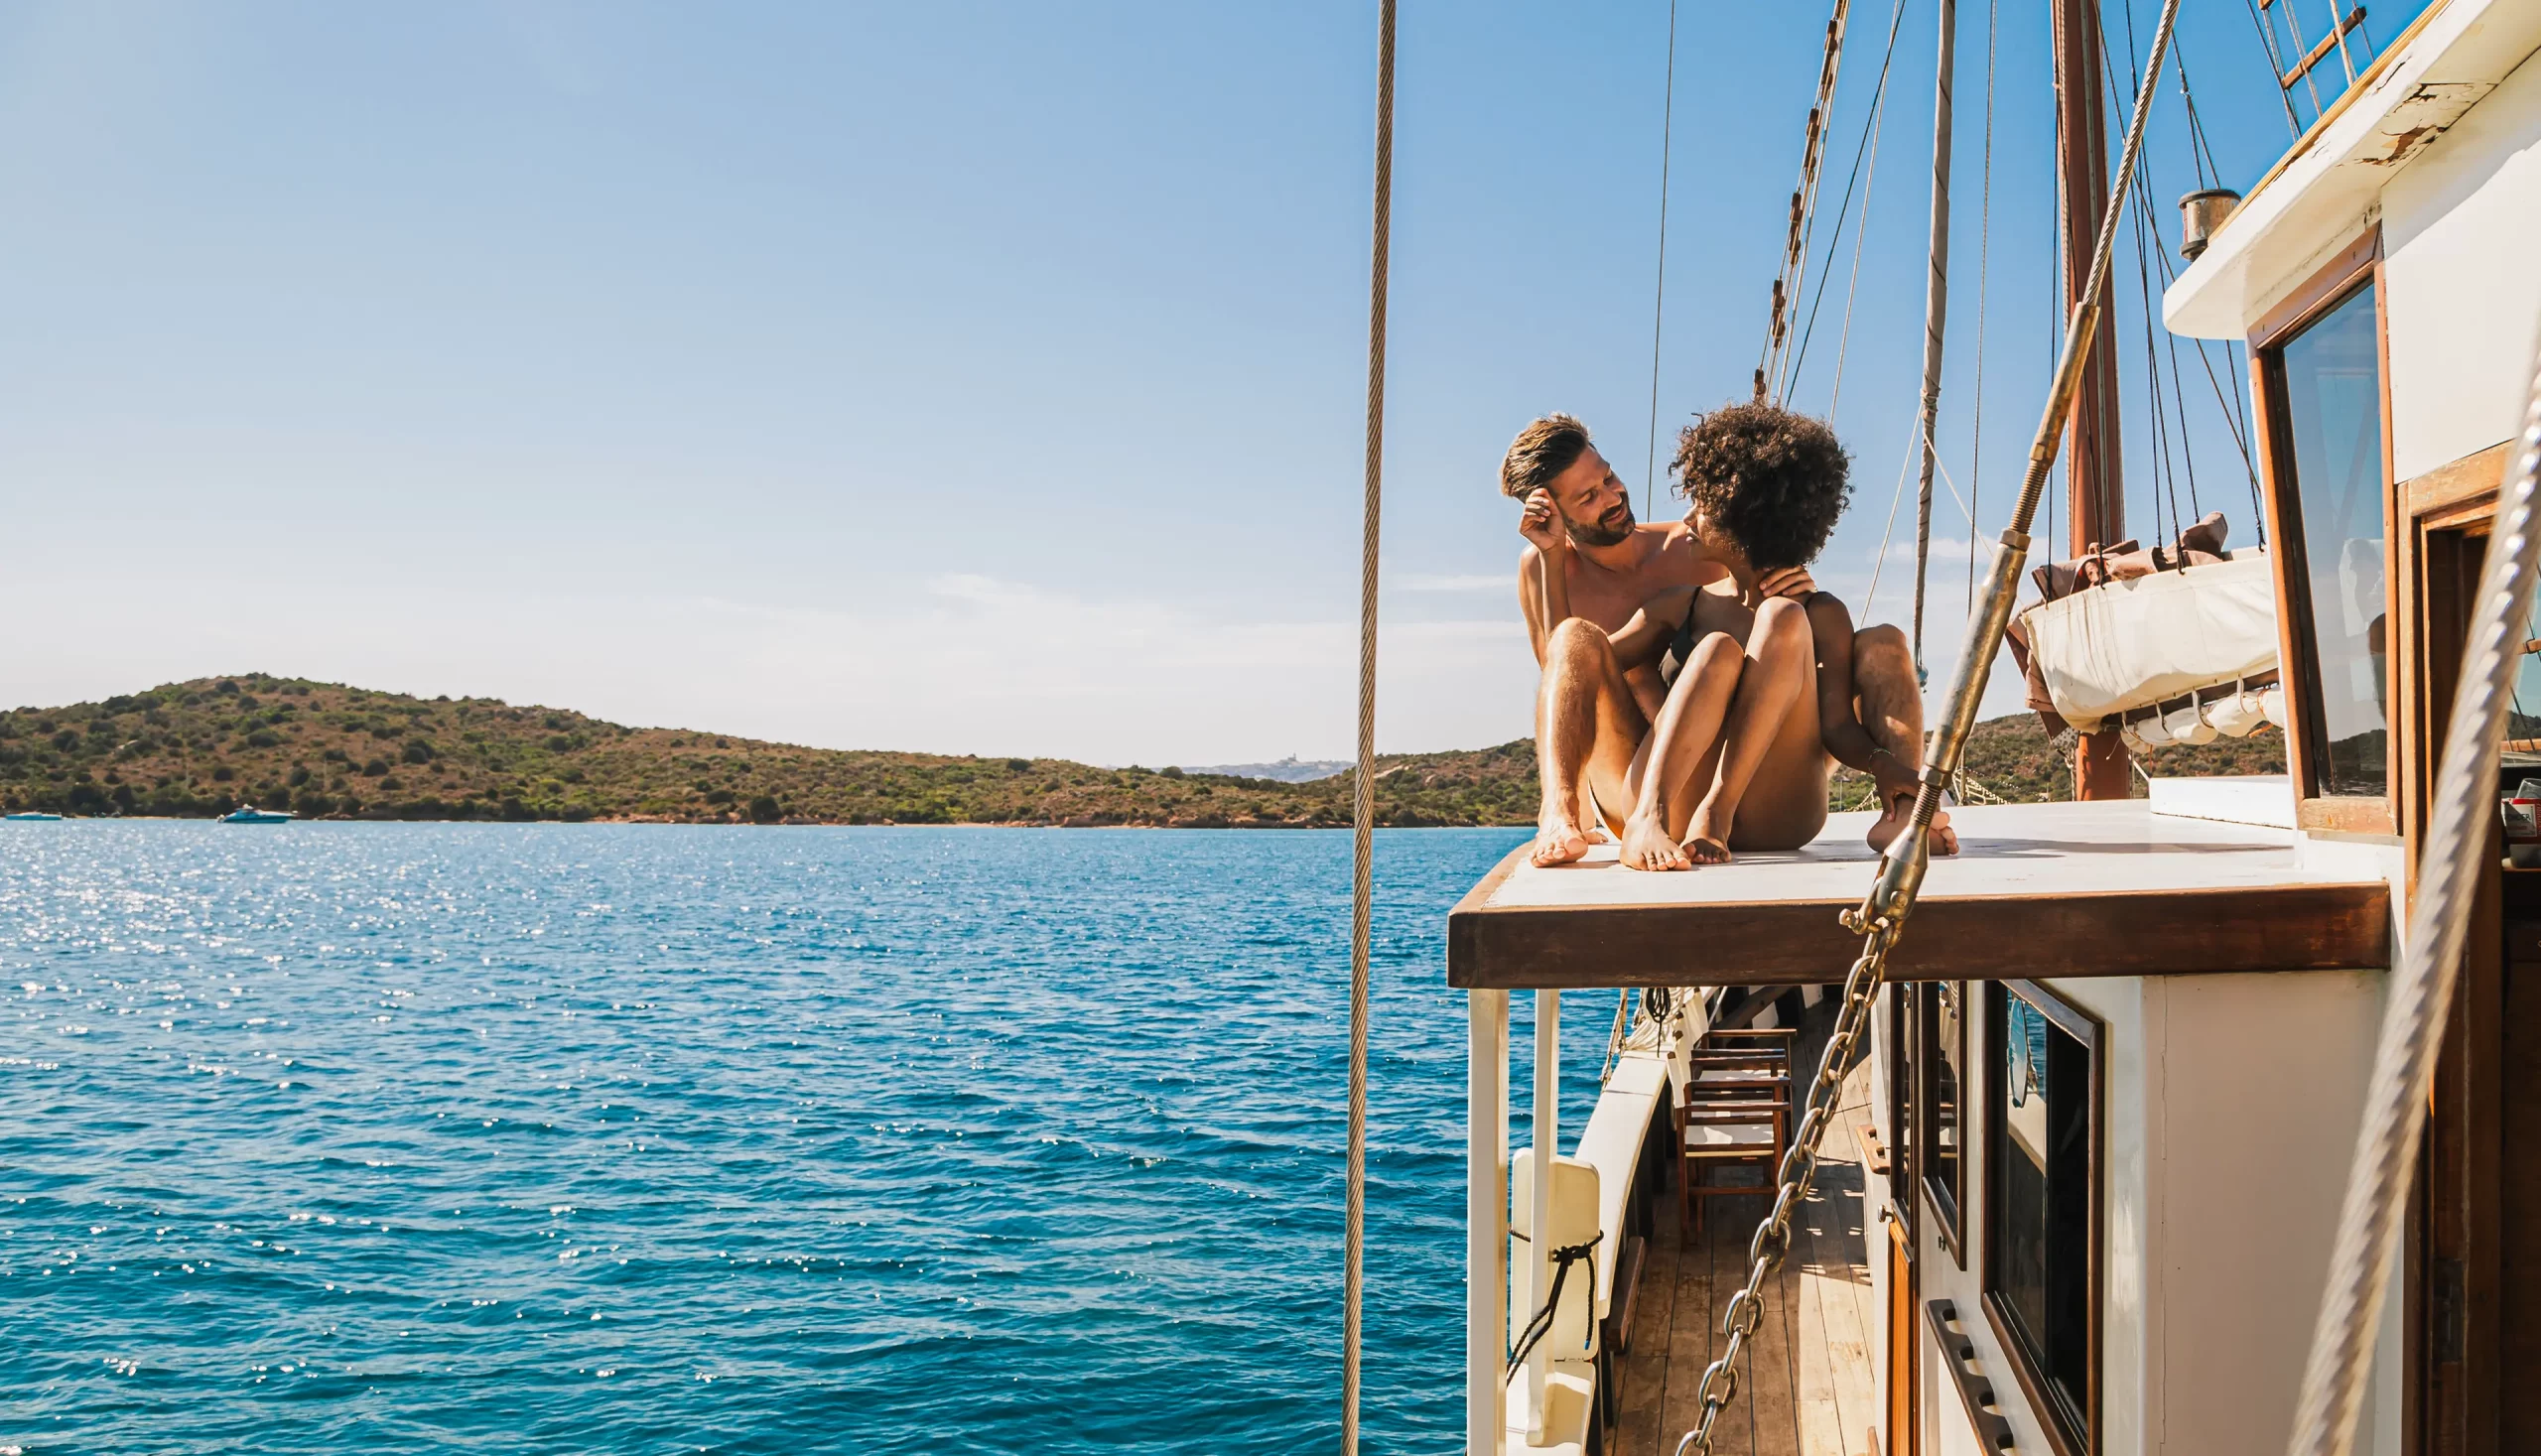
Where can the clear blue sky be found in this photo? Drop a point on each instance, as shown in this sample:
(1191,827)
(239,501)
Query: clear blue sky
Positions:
(950,377)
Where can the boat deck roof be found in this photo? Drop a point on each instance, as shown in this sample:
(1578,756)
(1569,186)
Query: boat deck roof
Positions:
(2105,889)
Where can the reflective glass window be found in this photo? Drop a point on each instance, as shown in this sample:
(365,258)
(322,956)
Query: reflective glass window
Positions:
(2332,380)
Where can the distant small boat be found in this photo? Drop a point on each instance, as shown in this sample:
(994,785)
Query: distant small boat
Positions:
(32,816)
(245,815)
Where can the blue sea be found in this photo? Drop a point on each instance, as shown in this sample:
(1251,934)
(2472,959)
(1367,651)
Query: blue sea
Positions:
(336,1137)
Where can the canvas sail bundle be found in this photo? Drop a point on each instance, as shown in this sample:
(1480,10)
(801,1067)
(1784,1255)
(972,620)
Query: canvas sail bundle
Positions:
(2125,630)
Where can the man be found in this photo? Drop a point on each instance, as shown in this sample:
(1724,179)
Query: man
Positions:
(1605,599)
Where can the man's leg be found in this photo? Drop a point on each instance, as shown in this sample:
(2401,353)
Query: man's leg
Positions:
(1890,702)
(1586,729)
(1780,671)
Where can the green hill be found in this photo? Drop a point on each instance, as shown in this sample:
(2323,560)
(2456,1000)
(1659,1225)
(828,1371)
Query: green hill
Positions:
(324,750)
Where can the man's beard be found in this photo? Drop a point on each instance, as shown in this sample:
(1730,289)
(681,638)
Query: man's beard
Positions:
(1600,533)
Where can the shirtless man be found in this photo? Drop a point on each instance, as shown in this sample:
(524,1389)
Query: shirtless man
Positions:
(1585,581)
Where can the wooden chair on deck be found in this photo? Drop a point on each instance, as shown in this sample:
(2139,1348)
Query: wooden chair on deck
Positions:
(1733,1132)
(1737,1113)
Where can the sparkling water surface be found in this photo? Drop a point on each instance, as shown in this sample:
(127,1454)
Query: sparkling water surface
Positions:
(646,1139)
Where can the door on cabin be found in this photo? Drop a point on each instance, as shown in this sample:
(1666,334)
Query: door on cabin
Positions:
(1902,1343)
(2475,1274)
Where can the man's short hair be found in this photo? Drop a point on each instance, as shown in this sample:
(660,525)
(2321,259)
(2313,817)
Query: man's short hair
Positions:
(1540,452)
(1775,482)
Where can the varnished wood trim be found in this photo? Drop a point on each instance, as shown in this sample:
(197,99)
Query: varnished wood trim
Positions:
(2085,1028)
(2308,927)
(2346,816)
(2318,294)
(1975,1393)
(2436,496)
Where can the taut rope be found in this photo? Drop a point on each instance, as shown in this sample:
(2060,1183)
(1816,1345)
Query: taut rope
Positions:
(1363,799)
(1659,296)
(2420,994)
(1883,913)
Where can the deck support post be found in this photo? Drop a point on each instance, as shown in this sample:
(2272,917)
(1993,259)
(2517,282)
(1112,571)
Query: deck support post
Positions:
(1544,1135)
(1486,1220)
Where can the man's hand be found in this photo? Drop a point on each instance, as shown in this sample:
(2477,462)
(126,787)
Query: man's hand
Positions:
(1542,525)
(1791,582)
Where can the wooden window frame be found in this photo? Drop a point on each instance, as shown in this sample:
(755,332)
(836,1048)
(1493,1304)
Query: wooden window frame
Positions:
(2085,1028)
(2353,267)
(1948,1201)
(1903,1065)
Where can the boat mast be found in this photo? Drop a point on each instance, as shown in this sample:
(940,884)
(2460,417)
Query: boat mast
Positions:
(1936,303)
(2095,481)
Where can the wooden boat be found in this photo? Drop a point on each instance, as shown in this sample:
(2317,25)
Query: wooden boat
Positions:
(2085,1195)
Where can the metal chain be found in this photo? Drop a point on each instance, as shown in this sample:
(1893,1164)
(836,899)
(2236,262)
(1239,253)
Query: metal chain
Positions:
(1882,916)
(1771,1243)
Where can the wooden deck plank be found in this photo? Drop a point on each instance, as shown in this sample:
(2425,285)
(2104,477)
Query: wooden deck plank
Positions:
(1639,1425)
(1688,1340)
(2040,890)
(1807,1388)
(1822,1424)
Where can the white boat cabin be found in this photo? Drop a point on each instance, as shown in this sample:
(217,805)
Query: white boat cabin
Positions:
(2118,1096)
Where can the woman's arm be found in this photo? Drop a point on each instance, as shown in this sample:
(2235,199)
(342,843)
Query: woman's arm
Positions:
(1839,723)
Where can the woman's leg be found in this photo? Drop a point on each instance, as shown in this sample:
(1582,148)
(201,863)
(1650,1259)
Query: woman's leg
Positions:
(1683,744)
(1779,674)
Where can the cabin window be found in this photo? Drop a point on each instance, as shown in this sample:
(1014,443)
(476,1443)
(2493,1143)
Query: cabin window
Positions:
(2331,484)
(1940,1058)
(2042,1159)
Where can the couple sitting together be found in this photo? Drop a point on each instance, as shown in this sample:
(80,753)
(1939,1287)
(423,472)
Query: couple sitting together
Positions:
(1695,680)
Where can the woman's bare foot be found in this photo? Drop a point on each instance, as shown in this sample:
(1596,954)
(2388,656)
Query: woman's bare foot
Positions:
(1646,847)
(1558,842)
(1707,838)
(1901,812)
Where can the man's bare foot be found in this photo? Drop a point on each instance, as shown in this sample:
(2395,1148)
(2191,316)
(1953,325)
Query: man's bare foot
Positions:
(1706,837)
(1646,847)
(1558,842)
(1901,812)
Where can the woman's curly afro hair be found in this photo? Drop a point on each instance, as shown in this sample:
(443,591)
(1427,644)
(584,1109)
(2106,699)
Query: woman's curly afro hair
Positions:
(1773,482)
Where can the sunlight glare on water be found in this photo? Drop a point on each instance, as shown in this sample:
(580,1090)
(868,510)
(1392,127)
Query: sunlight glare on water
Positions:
(328,1138)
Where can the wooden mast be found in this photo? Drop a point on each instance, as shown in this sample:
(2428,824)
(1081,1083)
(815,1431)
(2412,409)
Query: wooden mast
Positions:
(2096,481)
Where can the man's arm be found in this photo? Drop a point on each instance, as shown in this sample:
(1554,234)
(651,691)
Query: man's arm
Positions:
(1839,723)
(1544,571)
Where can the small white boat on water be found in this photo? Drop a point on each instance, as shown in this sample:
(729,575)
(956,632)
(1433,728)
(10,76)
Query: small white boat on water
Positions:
(31,816)
(249,814)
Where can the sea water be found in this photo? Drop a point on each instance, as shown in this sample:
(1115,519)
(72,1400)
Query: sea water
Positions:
(333,1137)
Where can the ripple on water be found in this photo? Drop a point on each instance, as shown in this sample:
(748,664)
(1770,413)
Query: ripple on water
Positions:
(649,1139)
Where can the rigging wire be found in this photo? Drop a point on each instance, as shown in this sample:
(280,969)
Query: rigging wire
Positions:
(1984,257)
(1659,297)
(1794,265)
(2275,66)
(1852,285)
(1363,805)
(1936,309)
(1788,374)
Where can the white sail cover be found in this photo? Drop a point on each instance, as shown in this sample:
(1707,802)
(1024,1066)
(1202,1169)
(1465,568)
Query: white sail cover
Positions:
(2129,644)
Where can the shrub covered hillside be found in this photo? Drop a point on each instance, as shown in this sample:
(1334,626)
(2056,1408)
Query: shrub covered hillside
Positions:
(324,750)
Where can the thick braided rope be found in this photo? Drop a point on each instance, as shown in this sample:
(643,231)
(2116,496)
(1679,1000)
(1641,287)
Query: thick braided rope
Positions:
(1363,807)
(2420,994)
